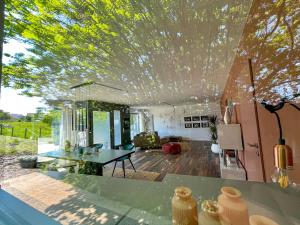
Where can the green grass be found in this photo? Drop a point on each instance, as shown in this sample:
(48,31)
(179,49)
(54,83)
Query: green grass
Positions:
(14,145)
(33,129)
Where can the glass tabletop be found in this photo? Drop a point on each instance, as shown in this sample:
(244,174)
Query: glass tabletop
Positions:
(150,202)
(104,156)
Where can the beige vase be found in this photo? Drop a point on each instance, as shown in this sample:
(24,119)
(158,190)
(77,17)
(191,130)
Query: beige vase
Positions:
(233,206)
(261,220)
(227,115)
(184,207)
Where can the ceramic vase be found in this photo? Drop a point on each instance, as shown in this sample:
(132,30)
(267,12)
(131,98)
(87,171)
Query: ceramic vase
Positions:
(233,206)
(261,220)
(227,115)
(215,148)
(184,207)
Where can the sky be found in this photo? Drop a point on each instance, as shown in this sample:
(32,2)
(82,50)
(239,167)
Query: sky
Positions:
(10,100)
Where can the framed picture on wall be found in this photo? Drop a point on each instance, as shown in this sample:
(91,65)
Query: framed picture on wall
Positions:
(187,119)
(205,124)
(204,118)
(196,125)
(196,118)
(188,125)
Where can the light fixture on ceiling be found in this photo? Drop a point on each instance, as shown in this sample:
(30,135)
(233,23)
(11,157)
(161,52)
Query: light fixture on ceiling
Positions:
(166,103)
(96,83)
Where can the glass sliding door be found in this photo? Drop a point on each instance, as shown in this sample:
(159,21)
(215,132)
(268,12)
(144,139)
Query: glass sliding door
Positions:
(134,125)
(101,128)
(117,128)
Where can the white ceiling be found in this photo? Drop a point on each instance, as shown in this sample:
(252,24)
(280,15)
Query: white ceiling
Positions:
(191,66)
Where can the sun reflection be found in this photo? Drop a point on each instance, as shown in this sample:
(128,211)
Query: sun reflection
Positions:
(102,218)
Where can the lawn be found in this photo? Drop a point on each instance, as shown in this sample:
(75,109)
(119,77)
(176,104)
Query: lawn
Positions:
(32,130)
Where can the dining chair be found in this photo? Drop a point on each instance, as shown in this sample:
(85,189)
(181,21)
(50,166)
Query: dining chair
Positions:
(128,147)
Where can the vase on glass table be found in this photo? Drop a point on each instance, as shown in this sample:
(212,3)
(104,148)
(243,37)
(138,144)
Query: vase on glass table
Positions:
(232,206)
(184,207)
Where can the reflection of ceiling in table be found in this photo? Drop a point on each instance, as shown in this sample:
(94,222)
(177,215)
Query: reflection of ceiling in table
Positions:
(175,52)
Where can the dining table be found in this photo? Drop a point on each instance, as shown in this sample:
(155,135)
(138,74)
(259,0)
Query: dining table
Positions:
(99,158)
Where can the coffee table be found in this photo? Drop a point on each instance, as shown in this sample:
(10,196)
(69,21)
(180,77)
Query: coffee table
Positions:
(101,158)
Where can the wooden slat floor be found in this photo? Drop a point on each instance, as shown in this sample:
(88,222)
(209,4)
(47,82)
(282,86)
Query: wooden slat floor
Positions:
(196,159)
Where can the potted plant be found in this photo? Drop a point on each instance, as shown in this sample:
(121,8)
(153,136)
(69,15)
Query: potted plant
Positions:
(215,148)
(67,146)
(28,161)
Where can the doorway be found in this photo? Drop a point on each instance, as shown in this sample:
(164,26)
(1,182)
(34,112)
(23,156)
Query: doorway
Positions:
(134,125)
(101,128)
(117,128)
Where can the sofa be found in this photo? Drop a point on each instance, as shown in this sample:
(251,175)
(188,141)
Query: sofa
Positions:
(147,140)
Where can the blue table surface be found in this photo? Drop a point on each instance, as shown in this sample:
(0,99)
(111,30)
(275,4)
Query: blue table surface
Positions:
(15,212)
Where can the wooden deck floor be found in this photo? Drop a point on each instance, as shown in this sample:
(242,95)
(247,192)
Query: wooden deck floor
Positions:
(196,159)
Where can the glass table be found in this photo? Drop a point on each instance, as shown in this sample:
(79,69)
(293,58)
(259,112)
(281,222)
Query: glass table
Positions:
(110,201)
(15,212)
(150,202)
(101,158)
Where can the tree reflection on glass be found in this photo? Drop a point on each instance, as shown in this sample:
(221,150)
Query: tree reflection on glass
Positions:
(173,51)
(272,39)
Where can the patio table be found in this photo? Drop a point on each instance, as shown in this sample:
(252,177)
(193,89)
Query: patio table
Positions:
(101,158)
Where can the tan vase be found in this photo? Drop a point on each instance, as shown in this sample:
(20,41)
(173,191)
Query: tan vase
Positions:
(261,220)
(184,207)
(227,115)
(233,206)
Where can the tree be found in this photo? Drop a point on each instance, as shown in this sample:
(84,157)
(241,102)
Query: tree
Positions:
(2,7)
(47,119)
(39,114)
(4,115)
(28,118)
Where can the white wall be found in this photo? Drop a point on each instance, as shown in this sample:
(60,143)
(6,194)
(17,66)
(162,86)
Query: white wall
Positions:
(170,121)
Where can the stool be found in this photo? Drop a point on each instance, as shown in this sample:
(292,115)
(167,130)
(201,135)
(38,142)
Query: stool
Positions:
(171,148)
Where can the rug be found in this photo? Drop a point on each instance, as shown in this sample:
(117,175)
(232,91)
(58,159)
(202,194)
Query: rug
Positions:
(130,174)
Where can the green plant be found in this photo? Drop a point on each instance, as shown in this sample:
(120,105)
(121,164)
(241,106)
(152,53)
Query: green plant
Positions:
(14,142)
(213,128)
(67,145)
(9,145)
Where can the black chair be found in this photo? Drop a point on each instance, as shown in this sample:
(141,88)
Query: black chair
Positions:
(128,147)
(97,146)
